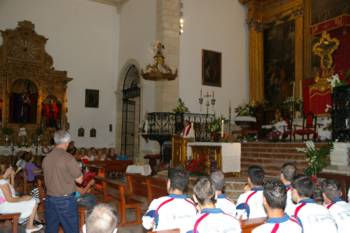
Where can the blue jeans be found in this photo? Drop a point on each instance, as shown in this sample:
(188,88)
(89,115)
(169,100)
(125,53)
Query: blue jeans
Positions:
(61,211)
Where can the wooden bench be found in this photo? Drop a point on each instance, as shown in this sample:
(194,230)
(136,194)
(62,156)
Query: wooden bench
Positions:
(102,168)
(12,217)
(249,224)
(156,187)
(166,231)
(124,201)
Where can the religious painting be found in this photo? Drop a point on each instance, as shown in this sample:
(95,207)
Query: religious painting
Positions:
(211,68)
(91,98)
(23,102)
(51,112)
(279,68)
(323,10)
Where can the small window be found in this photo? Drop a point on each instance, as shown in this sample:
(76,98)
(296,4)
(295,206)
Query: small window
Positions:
(81,132)
(93,133)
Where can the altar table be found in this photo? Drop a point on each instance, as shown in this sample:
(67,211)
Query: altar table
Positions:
(227,155)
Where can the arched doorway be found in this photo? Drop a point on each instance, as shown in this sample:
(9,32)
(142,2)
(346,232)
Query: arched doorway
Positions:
(131,113)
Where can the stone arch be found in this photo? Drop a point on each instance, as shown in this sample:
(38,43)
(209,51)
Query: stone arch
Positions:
(119,99)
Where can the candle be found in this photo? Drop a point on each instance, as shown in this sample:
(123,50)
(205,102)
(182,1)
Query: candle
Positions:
(213,94)
(222,128)
(201,92)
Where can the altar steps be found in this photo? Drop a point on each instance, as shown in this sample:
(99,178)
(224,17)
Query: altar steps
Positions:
(271,156)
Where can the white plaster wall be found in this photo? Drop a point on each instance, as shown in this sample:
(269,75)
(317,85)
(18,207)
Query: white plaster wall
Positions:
(83,40)
(137,36)
(219,26)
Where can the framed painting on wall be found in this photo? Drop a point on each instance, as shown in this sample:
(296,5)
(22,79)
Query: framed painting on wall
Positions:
(91,98)
(211,68)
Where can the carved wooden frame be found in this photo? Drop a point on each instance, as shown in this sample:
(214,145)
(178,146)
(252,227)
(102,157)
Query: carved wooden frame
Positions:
(260,13)
(23,56)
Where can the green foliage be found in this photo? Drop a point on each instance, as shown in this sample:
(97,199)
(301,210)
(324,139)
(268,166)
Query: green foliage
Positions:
(180,107)
(317,158)
(7,131)
(215,125)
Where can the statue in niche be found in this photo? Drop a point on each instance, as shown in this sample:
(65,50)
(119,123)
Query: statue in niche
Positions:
(23,102)
(51,112)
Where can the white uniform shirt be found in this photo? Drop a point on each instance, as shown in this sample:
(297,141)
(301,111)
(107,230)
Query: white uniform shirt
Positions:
(254,200)
(170,212)
(340,211)
(215,221)
(314,217)
(284,224)
(290,206)
(225,204)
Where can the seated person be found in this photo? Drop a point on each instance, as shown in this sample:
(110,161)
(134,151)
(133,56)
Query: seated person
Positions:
(222,202)
(25,205)
(31,170)
(250,203)
(275,199)
(7,173)
(211,219)
(111,154)
(312,216)
(288,171)
(20,164)
(173,211)
(339,209)
(102,219)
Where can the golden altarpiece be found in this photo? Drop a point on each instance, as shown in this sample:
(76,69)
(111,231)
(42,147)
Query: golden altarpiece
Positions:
(32,92)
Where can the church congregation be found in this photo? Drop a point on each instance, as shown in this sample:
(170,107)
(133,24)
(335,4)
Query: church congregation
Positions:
(174,116)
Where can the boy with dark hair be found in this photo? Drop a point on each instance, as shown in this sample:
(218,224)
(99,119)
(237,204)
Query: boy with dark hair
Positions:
(211,219)
(288,171)
(339,209)
(312,216)
(250,203)
(274,200)
(222,202)
(173,211)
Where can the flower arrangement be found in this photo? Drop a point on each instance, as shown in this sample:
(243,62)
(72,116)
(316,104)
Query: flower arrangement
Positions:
(215,125)
(180,107)
(292,102)
(197,166)
(335,81)
(245,110)
(316,157)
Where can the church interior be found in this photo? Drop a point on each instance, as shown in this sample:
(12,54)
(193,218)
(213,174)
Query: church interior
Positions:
(144,87)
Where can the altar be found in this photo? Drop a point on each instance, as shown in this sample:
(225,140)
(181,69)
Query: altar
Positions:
(226,155)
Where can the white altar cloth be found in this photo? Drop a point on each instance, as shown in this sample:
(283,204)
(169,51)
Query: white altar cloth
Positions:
(230,153)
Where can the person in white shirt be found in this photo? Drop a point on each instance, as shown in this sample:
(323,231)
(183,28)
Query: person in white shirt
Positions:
(102,219)
(339,209)
(211,219)
(312,216)
(288,171)
(275,198)
(173,211)
(250,204)
(222,201)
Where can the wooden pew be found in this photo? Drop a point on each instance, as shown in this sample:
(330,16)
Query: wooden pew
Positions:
(156,187)
(102,168)
(125,201)
(166,231)
(13,218)
(249,224)
(137,185)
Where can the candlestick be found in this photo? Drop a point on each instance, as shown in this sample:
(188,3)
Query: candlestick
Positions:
(201,93)
(213,95)
(222,128)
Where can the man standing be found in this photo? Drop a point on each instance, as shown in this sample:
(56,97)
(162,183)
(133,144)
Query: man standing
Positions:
(61,171)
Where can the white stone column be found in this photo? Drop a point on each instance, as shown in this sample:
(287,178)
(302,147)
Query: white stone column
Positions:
(168,16)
